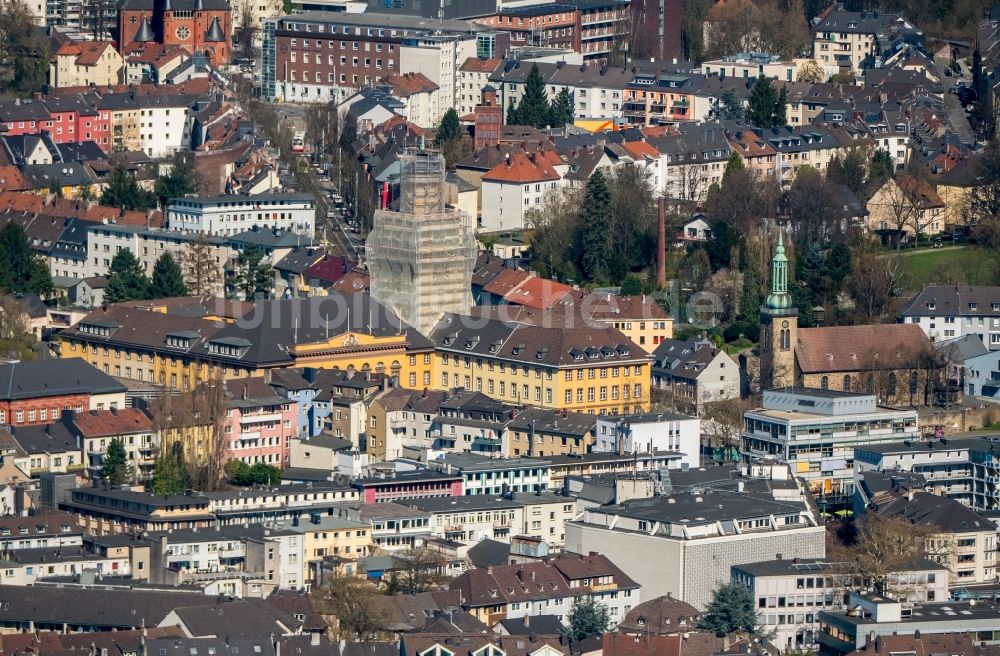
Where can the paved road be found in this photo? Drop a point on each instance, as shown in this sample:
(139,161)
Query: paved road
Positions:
(959,119)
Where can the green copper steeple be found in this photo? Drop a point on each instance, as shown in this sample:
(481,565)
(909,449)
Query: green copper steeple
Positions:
(779,298)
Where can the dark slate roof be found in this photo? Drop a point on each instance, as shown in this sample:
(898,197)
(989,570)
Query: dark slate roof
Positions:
(247,617)
(954,300)
(534,625)
(960,349)
(371,649)
(489,552)
(41,378)
(932,510)
(103,609)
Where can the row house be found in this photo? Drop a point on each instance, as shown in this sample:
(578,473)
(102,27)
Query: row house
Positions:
(657,98)
(258,424)
(66,119)
(319,56)
(548,587)
(154,124)
(691,160)
(856,40)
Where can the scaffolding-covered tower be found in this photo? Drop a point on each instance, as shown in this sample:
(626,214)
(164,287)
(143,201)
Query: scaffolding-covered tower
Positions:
(420,258)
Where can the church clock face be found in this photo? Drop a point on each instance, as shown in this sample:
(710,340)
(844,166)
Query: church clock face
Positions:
(133,20)
(784,324)
(183,32)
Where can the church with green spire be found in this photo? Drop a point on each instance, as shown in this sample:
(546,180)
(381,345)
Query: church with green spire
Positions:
(778,327)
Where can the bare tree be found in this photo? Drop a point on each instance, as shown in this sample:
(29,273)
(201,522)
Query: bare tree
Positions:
(196,417)
(893,209)
(202,273)
(350,606)
(884,546)
(686,186)
(421,569)
(874,282)
(723,423)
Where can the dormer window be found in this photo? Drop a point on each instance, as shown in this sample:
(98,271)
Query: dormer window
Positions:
(931,305)
(234,347)
(973,306)
(182,340)
(98,327)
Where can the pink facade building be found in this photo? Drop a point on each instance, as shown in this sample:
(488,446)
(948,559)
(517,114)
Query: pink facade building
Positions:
(258,424)
(419,484)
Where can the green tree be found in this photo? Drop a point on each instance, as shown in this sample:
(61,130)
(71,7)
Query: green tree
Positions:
(126,279)
(595,229)
(348,135)
(123,191)
(762,103)
(115,469)
(181,181)
(561,109)
(167,280)
(170,472)
(24,50)
(587,618)
(512,117)
(448,129)
(240,473)
(631,286)
(734,163)
(880,169)
(15,260)
(780,115)
(730,106)
(450,138)
(252,274)
(40,278)
(534,107)
(731,610)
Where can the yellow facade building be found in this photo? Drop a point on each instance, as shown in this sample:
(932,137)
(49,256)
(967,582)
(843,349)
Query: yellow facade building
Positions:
(597,370)
(177,346)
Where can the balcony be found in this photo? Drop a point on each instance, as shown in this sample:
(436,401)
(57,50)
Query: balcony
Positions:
(273,417)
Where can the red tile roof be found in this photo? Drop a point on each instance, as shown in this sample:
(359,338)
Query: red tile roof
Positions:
(472,65)
(87,53)
(408,84)
(507,281)
(68,208)
(540,293)
(11,179)
(641,150)
(521,168)
(101,423)
(858,348)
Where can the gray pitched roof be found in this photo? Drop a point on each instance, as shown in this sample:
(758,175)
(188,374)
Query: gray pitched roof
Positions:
(95,608)
(954,300)
(41,378)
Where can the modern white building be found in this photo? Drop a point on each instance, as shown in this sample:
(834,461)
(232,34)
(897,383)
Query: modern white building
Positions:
(483,475)
(815,433)
(650,432)
(790,593)
(104,241)
(231,215)
(438,56)
(468,520)
(684,544)
(949,311)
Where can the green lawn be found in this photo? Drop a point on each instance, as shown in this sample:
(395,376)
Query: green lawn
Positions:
(954,266)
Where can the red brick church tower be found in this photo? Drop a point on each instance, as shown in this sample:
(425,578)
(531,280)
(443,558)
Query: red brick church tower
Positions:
(199,26)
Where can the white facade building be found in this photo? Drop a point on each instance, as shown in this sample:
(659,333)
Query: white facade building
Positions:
(685,544)
(949,311)
(815,433)
(231,215)
(650,432)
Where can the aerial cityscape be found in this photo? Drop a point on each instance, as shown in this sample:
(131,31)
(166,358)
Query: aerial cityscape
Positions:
(499,328)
